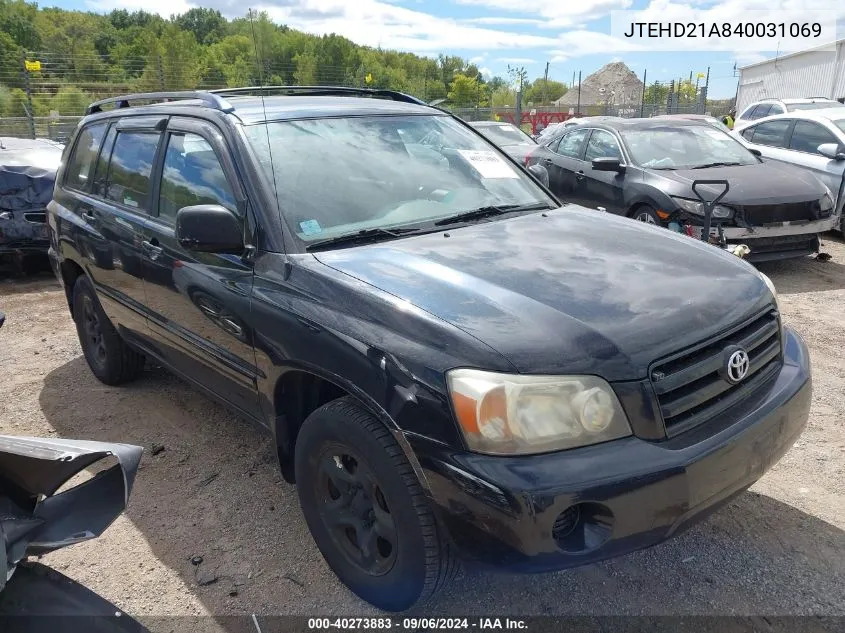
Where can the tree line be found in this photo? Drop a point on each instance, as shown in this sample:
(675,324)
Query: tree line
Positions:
(84,56)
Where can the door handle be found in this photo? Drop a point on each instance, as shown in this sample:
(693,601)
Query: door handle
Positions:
(88,214)
(152,248)
(579,175)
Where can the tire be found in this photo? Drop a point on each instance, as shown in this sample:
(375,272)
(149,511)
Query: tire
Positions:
(646,213)
(111,360)
(340,446)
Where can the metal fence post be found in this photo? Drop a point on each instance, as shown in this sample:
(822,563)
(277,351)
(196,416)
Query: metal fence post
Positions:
(160,65)
(28,90)
(642,100)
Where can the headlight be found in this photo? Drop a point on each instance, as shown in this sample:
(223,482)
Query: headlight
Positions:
(694,206)
(771,286)
(510,414)
(826,201)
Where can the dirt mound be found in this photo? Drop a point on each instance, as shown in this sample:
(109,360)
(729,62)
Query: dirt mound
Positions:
(614,83)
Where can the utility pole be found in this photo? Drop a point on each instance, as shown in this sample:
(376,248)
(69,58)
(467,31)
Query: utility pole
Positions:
(642,100)
(578,109)
(546,83)
(30,112)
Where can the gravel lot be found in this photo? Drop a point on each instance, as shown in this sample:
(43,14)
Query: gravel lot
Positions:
(214,492)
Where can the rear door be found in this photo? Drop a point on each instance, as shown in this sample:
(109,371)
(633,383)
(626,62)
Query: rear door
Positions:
(603,188)
(116,208)
(565,162)
(199,302)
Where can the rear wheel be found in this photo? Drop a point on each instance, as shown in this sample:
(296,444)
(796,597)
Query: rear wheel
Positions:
(111,360)
(366,510)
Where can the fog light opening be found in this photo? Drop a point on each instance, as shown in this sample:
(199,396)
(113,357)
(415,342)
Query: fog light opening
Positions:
(583,527)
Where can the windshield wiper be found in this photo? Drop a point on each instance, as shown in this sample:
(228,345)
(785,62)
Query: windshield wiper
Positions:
(706,165)
(489,211)
(363,236)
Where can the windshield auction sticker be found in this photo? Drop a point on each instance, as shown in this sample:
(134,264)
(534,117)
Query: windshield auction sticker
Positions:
(678,28)
(488,164)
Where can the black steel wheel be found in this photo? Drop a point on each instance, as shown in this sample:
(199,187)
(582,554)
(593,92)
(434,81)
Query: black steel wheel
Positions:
(366,510)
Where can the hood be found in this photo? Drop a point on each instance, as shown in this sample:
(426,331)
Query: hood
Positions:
(25,186)
(757,184)
(577,292)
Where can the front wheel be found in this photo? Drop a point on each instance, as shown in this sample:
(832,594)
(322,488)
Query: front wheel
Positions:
(366,510)
(645,213)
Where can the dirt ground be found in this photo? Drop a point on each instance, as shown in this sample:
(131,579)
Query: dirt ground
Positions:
(214,492)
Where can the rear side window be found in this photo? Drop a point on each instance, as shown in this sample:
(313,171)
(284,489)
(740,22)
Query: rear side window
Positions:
(776,109)
(746,114)
(192,175)
(130,168)
(807,136)
(772,133)
(84,154)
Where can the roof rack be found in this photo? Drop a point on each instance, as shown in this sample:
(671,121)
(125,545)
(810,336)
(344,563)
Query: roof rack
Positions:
(123,101)
(321,91)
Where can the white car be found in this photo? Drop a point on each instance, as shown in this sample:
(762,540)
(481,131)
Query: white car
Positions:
(771,107)
(813,140)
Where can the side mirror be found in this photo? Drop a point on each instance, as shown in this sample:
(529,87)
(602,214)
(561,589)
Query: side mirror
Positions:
(608,163)
(756,152)
(540,173)
(831,150)
(209,228)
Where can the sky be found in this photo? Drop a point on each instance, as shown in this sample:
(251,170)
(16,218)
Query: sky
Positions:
(570,36)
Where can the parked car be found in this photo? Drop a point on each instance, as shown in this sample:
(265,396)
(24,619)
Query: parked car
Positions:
(515,143)
(27,175)
(706,118)
(771,107)
(451,363)
(644,169)
(813,141)
(556,129)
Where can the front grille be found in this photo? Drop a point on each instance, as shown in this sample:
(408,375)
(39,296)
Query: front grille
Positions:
(690,386)
(760,215)
(36,217)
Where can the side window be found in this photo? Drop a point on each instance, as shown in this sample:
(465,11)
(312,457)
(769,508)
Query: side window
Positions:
(748,132)
(776,109)
(807,136)
(102,170)
(192,175)
(746,114)
(554,145)
(571,143)
(602,144)
(772,133)
(84,155)
(129,170)
(761,110)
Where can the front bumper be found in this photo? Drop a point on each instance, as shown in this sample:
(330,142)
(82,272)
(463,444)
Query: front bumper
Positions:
(630,493)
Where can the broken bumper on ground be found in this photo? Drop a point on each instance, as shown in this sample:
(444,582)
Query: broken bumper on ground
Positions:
(782,240)
(33,518)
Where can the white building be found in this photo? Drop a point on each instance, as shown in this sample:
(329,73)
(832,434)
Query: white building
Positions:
(815,72)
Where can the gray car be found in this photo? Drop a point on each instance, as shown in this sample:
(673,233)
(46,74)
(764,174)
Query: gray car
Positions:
(812,140)
(513,141)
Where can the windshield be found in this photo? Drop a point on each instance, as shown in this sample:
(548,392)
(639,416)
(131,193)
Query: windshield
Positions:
(684,147)
(505,134)
(840,123)
(818,105)
(338,176)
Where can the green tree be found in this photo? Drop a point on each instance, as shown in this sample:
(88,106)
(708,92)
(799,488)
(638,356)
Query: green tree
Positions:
(70,101)
(656,93)
(11,61)
(17,20)
(466,92)
(207,25)
(541,92)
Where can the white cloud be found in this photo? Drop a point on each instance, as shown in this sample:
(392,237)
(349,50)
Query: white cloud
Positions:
(496,20)
(555,13)
(486,72)
(478,58)
(517,60)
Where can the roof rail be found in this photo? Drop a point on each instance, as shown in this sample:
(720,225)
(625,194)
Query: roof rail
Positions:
(123,101)
(322,91)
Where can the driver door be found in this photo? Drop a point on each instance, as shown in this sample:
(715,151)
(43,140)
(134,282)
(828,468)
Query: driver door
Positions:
(603,188)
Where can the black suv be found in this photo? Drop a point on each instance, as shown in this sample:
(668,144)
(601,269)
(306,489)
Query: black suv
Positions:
(450,362)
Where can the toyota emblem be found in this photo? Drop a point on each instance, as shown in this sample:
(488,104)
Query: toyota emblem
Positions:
(737,366)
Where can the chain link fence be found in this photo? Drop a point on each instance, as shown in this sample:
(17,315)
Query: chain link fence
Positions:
(45,94)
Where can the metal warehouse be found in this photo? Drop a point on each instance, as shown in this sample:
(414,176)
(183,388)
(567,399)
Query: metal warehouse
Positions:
(815,72)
